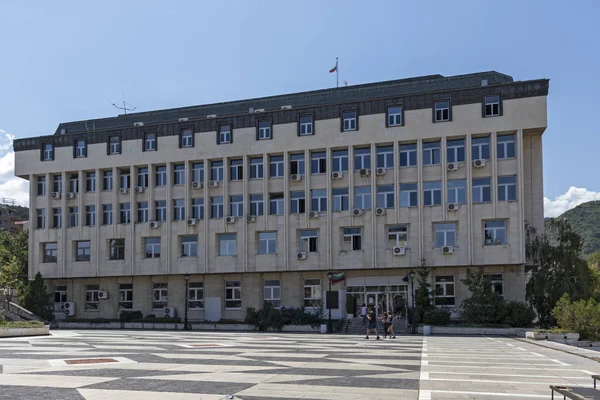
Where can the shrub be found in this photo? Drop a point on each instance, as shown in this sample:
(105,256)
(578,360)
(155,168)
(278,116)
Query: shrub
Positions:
(437,316)
(518,314)
(127,316)
(485,306)
(162,320)
(582,316)
(270,317)
(22,324)
(149,316)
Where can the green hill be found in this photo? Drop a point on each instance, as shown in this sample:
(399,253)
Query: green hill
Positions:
(585,220)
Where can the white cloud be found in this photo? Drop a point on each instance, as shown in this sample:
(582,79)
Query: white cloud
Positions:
(11,186)
(570,199)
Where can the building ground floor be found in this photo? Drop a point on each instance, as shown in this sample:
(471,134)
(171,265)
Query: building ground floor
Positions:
(215,297)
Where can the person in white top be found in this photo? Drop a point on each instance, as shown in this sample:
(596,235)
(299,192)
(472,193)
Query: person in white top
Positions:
(363,313)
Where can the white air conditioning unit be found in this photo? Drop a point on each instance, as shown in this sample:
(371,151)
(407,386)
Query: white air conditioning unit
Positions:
(191,221)
(197,185)
(124,190)
(56,195)
(453,166)
(286,107)
(365,172)
(301,255)
(69,308)
(103,295)
(452,206)
(250,218)
(357,212)
(399,251)
(447,249)
(380,211)
(139,189)
(211,116)
(479,163)
(259,110)
(296,177)
(337,175)
(183,119)
(313,214)
(170,312)
(71,195)
(230,220)
(154,224)
(213,184)
(136,124)
(380,171)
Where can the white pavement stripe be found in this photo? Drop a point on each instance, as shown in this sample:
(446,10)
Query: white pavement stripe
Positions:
(560,362)
(51,381)
(538,354)
(587,372)
(424,394)
(99,394)
(509,382)
(492,394)
(445,372)
(286,391)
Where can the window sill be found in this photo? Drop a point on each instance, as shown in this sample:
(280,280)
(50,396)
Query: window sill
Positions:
(81,261)
(233,309)
(496,245)
(507,158)
(431,205)
(431,165)
(492,116)
(187,257)
(220,255)
(442,120)
(266,254)
(408,166)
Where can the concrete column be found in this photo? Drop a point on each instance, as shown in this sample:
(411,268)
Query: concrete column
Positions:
(166,247)
(373,205)
(421,231)
(396,182)
(206,166)
(521,193)
(99,246)
(286,211)
(468,194)
(494,183)
(329,165)
(31,242)
(246,209)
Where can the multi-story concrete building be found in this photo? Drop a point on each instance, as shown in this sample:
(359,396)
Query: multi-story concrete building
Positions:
(256,200)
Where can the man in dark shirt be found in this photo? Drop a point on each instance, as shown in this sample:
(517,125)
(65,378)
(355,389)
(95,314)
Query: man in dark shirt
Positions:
(372,325)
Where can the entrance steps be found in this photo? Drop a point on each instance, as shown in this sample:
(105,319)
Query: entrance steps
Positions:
(356,326)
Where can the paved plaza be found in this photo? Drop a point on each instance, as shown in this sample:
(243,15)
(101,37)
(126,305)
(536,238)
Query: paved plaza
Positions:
(251,366)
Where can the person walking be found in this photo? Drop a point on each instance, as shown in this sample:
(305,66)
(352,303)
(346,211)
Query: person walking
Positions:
(372,325)
(363,313)
(390,326)
(384,318)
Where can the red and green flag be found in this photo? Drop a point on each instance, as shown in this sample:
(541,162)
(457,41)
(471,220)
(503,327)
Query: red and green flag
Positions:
(338,277)
(332,70)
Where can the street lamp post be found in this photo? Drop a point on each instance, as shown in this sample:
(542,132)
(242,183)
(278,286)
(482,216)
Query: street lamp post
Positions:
(329,277)
(185,321)
(413,326)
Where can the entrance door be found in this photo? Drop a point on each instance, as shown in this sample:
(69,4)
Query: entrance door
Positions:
(377,303)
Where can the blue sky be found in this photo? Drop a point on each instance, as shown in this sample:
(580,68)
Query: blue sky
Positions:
(58,59)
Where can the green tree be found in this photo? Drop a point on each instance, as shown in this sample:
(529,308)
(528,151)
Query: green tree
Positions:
(14,245)
(423,300)
(485,305)
(593,259)
(35,298)
(12,275)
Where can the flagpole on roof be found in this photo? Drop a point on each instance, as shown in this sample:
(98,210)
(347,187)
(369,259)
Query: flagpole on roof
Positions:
(337,73)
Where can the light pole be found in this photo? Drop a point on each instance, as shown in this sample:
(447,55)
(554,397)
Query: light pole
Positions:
(329,277)
(185,321)
(411,275)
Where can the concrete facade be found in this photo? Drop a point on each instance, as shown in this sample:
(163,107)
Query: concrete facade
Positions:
(374,267)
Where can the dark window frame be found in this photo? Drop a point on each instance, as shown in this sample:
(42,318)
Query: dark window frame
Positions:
(500,108)
(85,146)
(438,100)
(110,136)
(344,110)
(42,145)
(219,126)
(180,136)
(312,116)
(269,120)
(387,114)
(144,138)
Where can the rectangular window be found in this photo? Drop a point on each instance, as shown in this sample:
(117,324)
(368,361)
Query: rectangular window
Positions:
(482,190)
(198,208)
(394,115)
(150,142)
(236,206)
(276,204)
(385,196)
(432,193)
(178,209)
(497,281)
(507,188)
(441,111)
(505,146)
(480,148)
(492,105)
(57,183)
(349,121)
(198,172)
(114,145)
(73,216)
(362,197)
(224,134)
(90,215)
(267,242)
(152,246)
(216,207)
(408,155)
(41,185)
(340,161)
(57,217)
(341,199)
(444,290)
(179,174)
(227,244)
(216,171)
(445,234)
(298,202)
(125,178)
(318,199)
(318,162)
(297,164)
(92,301)
(196,296)
(431,153)
(160,210)
(60,295)
(187,138)
(256,205)
(494,232)
(312,293)
(455,150)
(309,240)
(116,249)
(385,157)
(50,252)
(160,295)
(263,130)
(409,195)
(233,295)
(362,158)
(107,214)
(90,181)
(160,176)
(236,169)
(398,236)
(47,152)
(124,213)
(189,246)
(305,125)
(83,250)
(80,149)
(272,292)
(107,180)
(256,168)
(74,183)
(352,239)
(125,296)
(457,191)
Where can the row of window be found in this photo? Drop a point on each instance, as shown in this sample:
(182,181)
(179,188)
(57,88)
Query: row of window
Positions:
(351,240)
(481,192)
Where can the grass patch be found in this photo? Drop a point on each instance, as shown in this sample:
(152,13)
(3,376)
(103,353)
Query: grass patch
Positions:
(22,324)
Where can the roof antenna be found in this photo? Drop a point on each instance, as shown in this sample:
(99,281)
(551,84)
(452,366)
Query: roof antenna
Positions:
(124,108)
